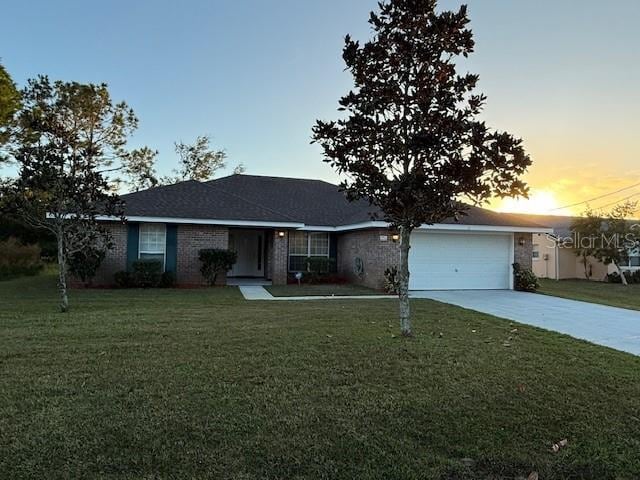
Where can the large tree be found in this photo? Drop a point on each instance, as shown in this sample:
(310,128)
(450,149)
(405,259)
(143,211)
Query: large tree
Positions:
(9,104)
(410,140)
(68,142)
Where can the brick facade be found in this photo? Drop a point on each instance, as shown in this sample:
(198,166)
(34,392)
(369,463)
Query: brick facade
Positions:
(374,253)
(362,256)
(278,263)
(192,239)
(115,259)
(523,254)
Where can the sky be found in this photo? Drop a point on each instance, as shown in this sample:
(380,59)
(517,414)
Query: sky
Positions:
(256,74)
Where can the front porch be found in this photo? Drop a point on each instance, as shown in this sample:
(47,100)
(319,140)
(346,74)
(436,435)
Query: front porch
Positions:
(262,256)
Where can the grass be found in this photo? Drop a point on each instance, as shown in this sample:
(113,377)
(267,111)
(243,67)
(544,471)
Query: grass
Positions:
(319,290)
(613,294)
(201,384)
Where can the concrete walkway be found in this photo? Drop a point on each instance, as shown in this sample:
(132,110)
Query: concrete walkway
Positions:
(613,327)
(256,292)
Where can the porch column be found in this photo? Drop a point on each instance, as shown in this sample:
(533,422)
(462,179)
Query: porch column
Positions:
(280,257)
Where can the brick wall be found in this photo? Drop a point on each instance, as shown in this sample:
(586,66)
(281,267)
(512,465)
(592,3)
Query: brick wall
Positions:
(376,255)
(278,264)
(115,259)
(191,239)
(523,253)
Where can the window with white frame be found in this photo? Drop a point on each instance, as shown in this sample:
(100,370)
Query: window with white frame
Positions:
(634,259)
(535,254)
(153,242)
(303,245)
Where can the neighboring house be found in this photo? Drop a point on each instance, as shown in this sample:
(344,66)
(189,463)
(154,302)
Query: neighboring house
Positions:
(275,223)
(551,259)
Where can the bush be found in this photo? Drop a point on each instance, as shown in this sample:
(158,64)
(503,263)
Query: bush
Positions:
(85,264)
(167,280)
(145,274)
(123,280)
(319,268)
(17,259)
(632,277)
(391,280)
(216,261)
(525,279)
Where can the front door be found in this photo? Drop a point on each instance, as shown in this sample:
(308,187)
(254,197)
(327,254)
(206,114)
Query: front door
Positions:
(249,245)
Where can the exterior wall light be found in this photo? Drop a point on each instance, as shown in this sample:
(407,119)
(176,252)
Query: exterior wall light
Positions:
(395,237)
(521,241)
(281,234)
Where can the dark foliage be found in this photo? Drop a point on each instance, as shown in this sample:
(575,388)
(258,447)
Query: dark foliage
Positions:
(391,281)
(84,264)
(631,277)
(524,279)
(215,261)
(145,274)
(13,227)
(17,259)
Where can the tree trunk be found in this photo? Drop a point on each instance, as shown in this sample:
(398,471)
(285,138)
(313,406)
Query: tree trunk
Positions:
(62,275)
(585,264)
(622,275)
(403,283)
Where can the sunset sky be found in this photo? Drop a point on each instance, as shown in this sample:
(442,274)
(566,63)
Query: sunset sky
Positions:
(255,75)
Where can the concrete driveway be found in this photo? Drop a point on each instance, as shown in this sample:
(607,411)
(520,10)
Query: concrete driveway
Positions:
(613,327)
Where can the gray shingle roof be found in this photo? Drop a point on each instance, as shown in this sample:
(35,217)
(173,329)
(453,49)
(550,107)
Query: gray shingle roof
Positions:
(276,199)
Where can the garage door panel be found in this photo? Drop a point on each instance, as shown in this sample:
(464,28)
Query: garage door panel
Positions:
(448,261)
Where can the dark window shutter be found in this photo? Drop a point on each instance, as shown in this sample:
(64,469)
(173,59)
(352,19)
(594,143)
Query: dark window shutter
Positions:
(133,236)
(333,248)
(171,262)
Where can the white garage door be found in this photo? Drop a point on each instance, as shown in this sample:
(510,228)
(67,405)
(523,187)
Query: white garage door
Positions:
(460,261)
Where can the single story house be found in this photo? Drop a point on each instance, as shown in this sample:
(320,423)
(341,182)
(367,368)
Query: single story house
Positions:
(274,223)
(554,258)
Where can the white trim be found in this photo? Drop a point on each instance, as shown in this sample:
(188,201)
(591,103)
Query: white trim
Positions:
(484,228)
(202,221)
(437,226)
(324,228)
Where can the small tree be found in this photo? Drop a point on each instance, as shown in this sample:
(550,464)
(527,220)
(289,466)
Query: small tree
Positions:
(618,237)
(216,262)
(68,139)
(585,229)
(411,142)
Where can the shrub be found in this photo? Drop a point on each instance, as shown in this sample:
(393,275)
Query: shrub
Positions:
(525,279)
(632,277)
(85,264)
(216,261)
(17,259)
(146,273)
(391,280)
(167,280)
(123,279)
(319,268)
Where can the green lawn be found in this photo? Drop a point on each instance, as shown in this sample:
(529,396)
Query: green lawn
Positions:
(320,290)
(613,294)
(202,384)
